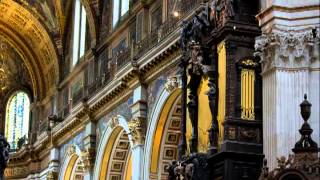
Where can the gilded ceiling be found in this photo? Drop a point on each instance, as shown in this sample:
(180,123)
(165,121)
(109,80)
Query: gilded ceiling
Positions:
(36,30)
(13,71)
(13,74)
(28,29)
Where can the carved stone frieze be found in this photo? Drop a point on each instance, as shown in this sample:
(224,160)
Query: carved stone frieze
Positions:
(136,128)
(287,49)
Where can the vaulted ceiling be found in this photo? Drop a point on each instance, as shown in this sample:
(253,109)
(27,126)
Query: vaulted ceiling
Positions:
(36,29)
(31,35)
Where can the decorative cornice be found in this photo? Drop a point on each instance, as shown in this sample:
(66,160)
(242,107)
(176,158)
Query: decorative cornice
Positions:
(287,49)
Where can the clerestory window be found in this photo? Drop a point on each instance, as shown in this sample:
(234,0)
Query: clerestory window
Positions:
(120,8)
(79,32)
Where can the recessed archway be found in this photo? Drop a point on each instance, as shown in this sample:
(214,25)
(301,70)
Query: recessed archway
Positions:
(163,134)
(72,166)
(114,152)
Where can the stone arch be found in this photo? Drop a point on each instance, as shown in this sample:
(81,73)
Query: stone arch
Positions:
(114,152)
(157,126)
(71,158)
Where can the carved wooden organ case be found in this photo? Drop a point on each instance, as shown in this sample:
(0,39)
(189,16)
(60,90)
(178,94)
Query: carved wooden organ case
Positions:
(218,44)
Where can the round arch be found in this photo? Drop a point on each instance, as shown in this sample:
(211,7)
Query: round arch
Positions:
(115,128)
(156,127)
(71,158)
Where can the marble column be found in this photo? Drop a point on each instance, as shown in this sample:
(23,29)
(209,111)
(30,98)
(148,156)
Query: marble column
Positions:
(288,50)
(137,130)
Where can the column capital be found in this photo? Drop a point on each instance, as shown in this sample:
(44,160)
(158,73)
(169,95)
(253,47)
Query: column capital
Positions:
(88,159)
(288,49)
(137,130)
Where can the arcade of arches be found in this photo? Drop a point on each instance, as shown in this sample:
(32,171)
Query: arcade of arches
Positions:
(129,89)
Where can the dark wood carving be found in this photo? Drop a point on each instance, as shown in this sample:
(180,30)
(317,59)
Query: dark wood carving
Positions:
(194,167)
(192,44)
(213,101)
(240,154)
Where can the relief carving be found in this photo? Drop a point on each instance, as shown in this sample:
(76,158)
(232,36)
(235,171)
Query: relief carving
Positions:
(173,83)
(114,122)
(287,49)
(88,158)
(71,149)
(136,128)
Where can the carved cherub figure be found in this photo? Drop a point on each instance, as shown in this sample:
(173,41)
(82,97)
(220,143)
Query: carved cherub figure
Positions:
(283,162)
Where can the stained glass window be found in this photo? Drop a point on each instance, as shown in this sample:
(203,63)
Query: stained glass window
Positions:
(17,118)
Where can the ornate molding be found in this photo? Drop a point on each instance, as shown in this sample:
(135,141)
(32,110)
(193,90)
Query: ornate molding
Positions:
(287,49)
(136,128)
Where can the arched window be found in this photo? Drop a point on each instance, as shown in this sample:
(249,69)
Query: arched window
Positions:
(17,118)
(79,32)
